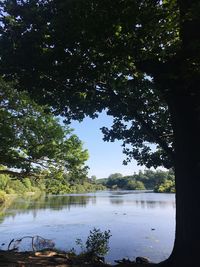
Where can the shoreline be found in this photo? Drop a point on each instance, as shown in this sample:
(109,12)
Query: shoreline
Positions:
(54,258)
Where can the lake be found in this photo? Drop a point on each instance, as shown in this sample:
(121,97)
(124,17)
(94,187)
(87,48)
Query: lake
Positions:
(141,223)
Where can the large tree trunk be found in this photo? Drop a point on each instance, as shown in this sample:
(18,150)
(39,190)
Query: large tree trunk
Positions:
(186,125)
(184,104)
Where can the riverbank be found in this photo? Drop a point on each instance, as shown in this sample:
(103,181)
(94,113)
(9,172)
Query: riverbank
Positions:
(52,258)
(75,189)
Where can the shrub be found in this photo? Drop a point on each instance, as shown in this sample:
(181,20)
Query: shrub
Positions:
(168,186)
(4,179)
(10,191)
(18,186)
(96,243)
(2,197)
(135,185)
(27,183)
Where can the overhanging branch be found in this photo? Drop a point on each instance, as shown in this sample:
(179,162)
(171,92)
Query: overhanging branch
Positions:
(151,132)
(145,125)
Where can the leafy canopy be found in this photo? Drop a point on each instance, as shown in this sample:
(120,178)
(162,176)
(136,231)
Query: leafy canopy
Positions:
(32,140)
(124,56)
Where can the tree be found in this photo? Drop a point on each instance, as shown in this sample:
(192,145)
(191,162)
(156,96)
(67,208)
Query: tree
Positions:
(93,179)
(166,186)
(115,175)
(31,140)
(150,180)
(139,60)
(135,185)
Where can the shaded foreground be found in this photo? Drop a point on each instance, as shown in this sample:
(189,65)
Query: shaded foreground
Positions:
(50,258)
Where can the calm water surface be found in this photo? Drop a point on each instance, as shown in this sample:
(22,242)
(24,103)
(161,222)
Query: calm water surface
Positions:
(141,224)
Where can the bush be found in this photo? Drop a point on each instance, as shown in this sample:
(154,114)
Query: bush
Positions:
(96,243)
(10,191)
(4,179)
(18,186)
(27,183)
(168,186)
(135,185)
(2,197)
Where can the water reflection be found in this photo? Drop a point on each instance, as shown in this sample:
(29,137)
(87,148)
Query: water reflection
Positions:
(142,203)
(120,198)
(129,215)
(116,201)
(33,205)
(60,202)
(3,209)
(53,202)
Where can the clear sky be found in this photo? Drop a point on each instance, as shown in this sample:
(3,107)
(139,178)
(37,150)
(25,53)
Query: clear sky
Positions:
(105,157)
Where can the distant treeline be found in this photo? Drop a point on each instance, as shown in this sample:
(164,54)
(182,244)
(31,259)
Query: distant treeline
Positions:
(159,181)
(61,183)
(56,182)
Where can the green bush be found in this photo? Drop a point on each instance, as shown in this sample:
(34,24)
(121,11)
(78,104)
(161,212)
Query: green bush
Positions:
(96,243)
(4,179)
(10,191)
(2,197)
(27,183)
(18,186)
(135,185)
(168,186)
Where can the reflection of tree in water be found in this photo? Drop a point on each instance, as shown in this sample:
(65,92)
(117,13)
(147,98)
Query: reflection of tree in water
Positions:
(60,202)
(116,201)
(154,204)
(142,203)
(4,209)
(93,200)
(25,206)
(2,212)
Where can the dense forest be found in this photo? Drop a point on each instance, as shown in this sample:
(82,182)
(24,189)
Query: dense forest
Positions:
(159,181)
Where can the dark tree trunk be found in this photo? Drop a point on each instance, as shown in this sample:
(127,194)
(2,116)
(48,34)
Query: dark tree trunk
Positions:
(184,105)
(185,114)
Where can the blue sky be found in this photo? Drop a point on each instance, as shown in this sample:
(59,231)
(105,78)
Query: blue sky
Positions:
(105,157)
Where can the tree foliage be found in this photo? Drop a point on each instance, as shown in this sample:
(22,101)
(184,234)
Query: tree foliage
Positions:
(53,182)
(159,181)
(32,140)
(87,54)
(167,186)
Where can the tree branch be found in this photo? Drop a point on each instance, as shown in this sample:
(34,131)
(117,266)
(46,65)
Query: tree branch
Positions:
(148,129)
(155,136)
